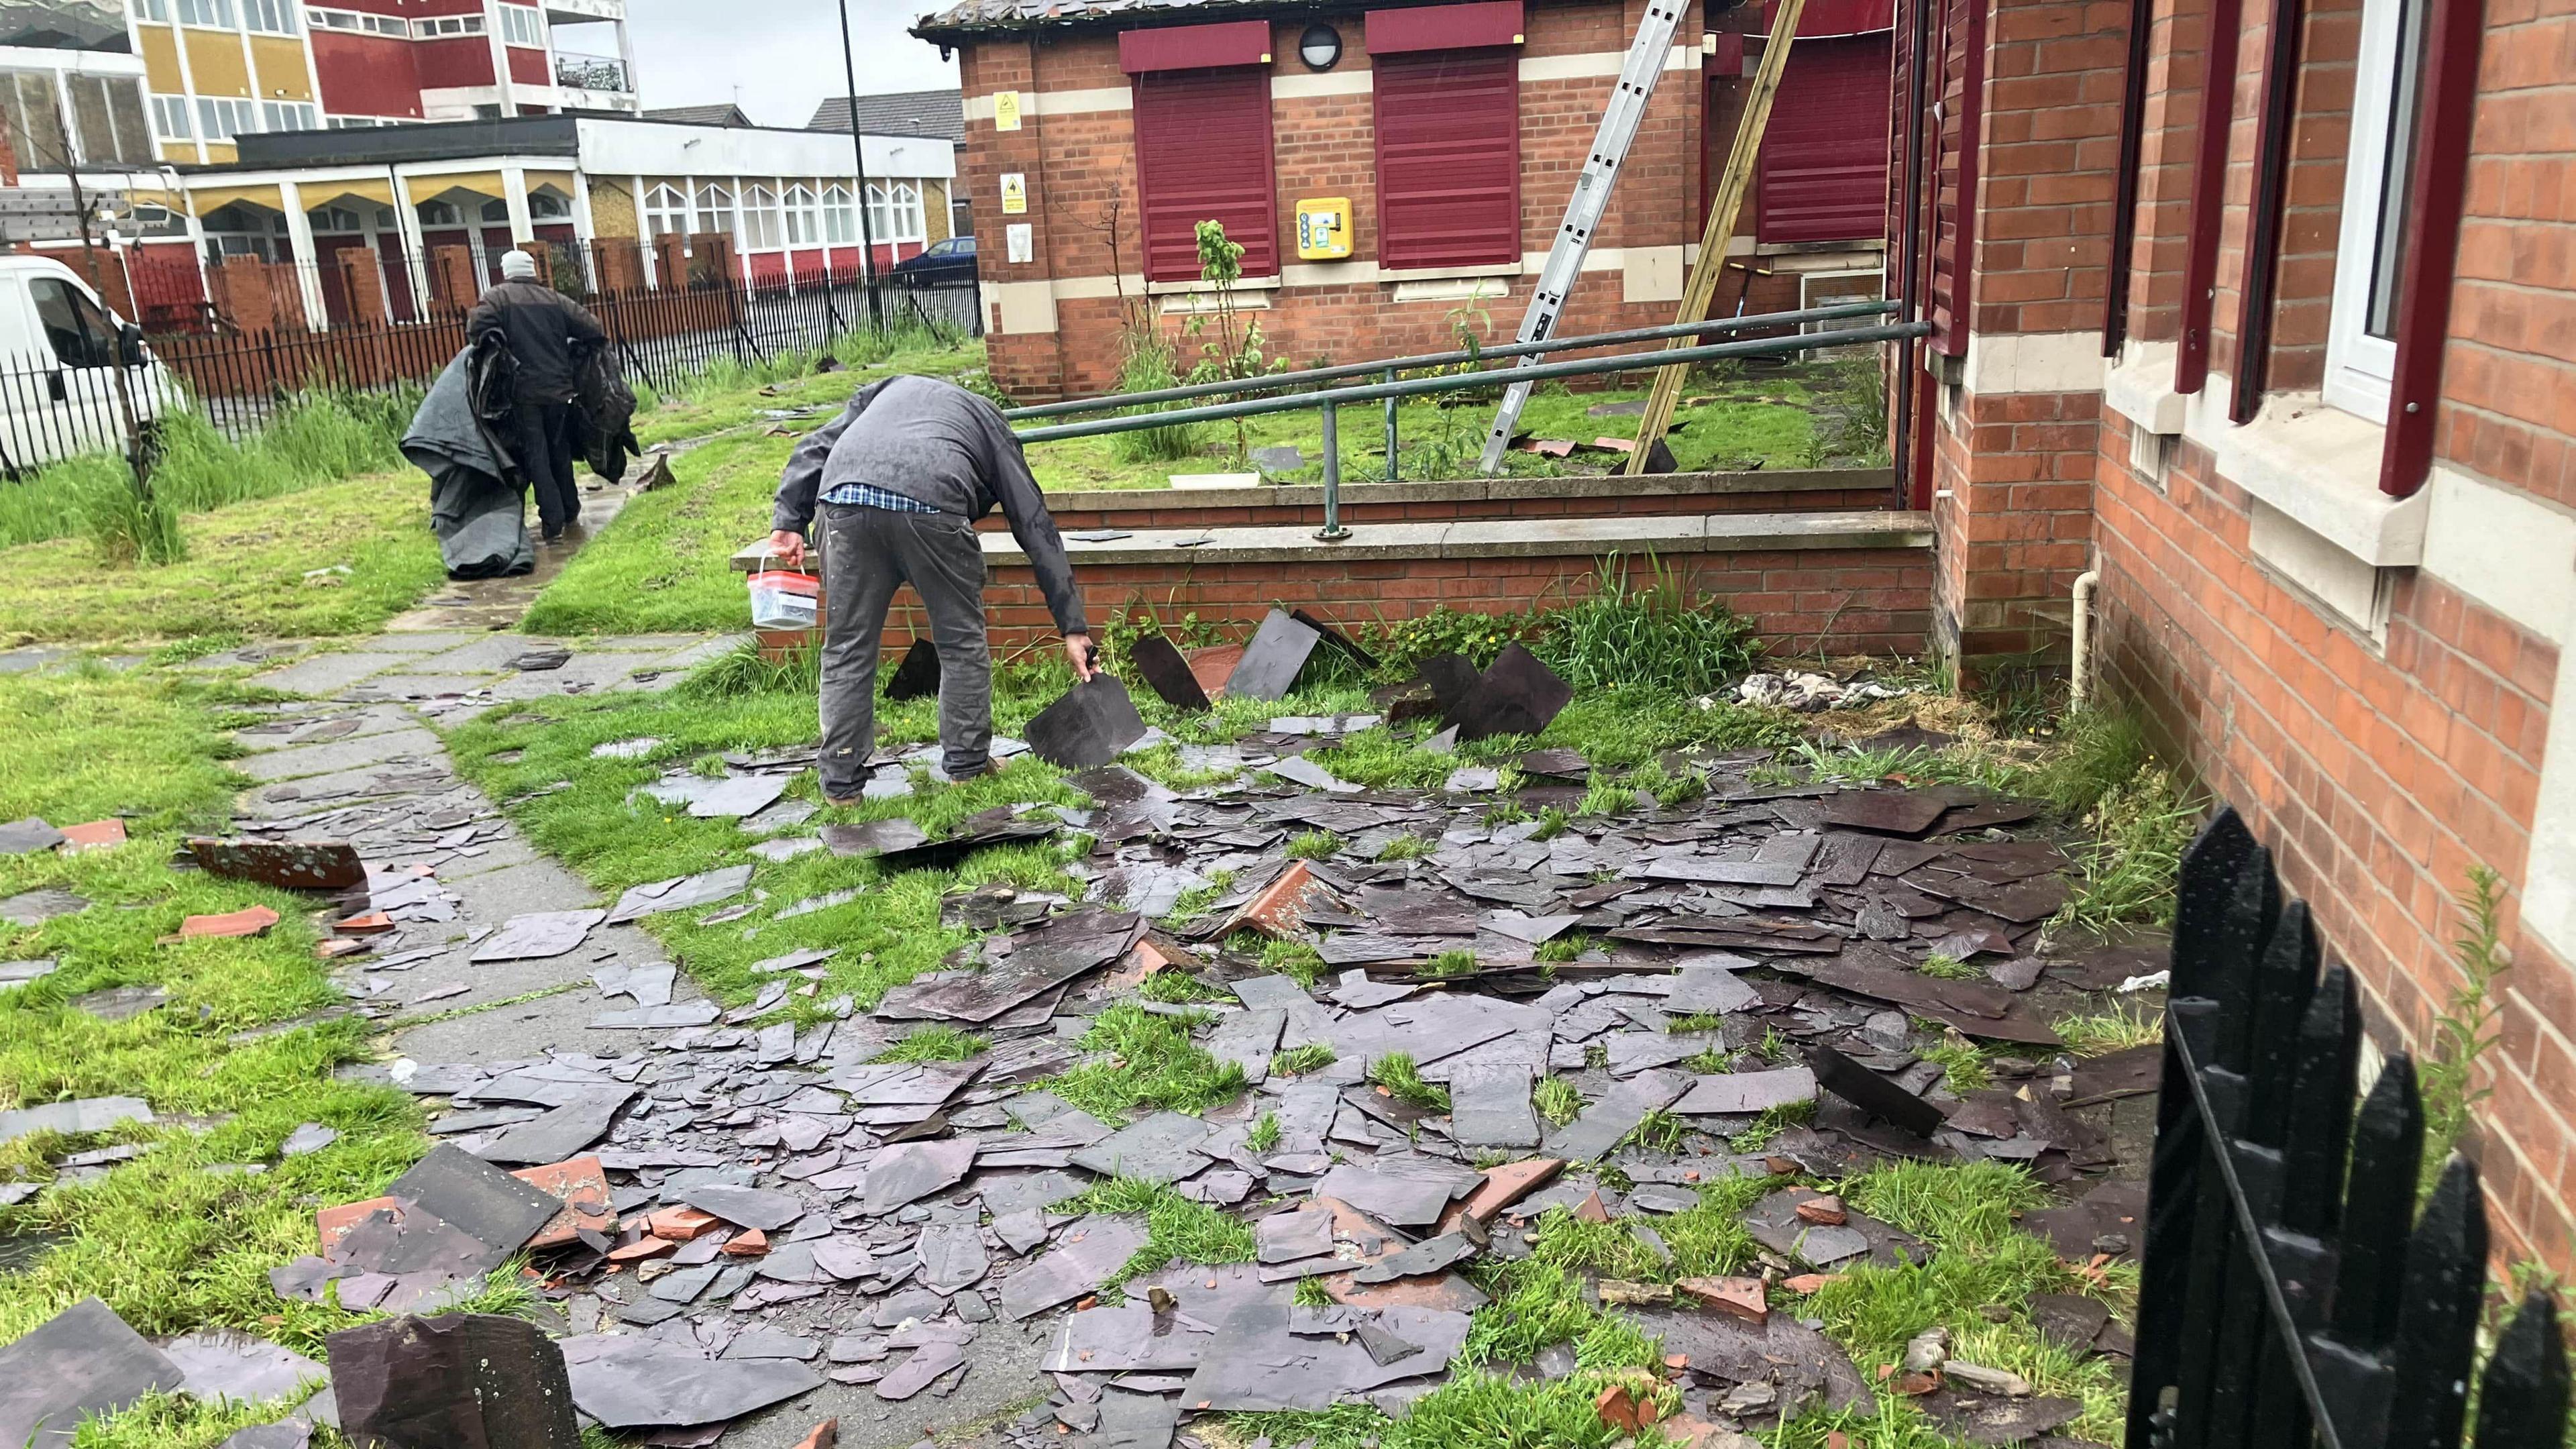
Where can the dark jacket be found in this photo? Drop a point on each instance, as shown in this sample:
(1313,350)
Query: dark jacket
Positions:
(936,443)
(603,411)
(541,327)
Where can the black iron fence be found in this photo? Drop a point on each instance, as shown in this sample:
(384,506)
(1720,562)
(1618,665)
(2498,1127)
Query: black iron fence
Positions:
(250,332)
(2292,1294)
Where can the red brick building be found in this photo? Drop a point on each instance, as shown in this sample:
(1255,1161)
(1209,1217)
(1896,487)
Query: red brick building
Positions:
(1097,140)
(2264,312)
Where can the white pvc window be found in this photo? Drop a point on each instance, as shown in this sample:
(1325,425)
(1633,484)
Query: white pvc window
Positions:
(2361,329)
(206,12)
(521,25)
(761,230)
(441,26)
(288,116)
(170,114)
(269,17)
(666,211)
(840,222)
(220,118)
(715,209)
(804,223)
(894,211)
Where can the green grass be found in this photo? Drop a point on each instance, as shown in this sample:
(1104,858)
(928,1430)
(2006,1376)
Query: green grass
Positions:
(1964,1067)
(2123,1026)
(170,1247)
(315,438)
(1456,962)
(1949,968)
(1179,1230)
(1313,845)
(1145,1060)
(2128,864)
(1734,424)
(1265,1133)
(245,574)
(934,1044)
(1297,1061)
(1557,1100)
(1179,988)
(1396,1072)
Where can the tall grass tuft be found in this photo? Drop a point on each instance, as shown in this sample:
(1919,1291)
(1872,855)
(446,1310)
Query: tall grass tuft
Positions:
(1149,368)
(131,527)
(1655,636)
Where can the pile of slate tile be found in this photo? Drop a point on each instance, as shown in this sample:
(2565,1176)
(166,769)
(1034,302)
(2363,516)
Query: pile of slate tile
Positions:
(781,1208)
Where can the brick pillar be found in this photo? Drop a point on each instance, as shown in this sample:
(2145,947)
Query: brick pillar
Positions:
(543,255)
(364,275)
(2014,418)
(451,277)
(287,295)
(242,294)
(671,261)
(621,264)
(713,261)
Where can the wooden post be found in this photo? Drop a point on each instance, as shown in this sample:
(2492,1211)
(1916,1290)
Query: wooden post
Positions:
(1720,234)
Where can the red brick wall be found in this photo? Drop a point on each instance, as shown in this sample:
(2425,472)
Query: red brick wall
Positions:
(1083,209)
(1854,601)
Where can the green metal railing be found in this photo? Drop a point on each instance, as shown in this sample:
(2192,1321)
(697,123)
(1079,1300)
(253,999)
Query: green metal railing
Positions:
(1329,400)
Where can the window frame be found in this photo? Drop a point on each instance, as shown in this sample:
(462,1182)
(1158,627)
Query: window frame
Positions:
(840,217)
(84,311)
(220,11)
(271,17)
(666,217)
(2361,367)
(174,118)
(715,200)
(523,26)
(763,228)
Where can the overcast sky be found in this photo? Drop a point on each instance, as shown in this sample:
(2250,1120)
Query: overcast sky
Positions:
(775,58)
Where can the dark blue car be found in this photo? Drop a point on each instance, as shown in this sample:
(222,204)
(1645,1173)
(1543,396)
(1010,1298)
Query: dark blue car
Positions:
(947,263)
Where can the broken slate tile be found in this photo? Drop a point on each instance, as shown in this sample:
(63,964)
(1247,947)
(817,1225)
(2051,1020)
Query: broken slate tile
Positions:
(1271,663)
(218,1366)
(14,974)
(1163,1148)
(1093,724)
(930,1360)
(1490,1106)
(628,1381)
(1606,1123)
(747,1207)
(1247,1039)
(1873,1093)
(34,908)
(77,1117)
(909,1171)
(84,1361)
(24,837)
(1084,1257)
(1707,986)
(1737,1093)
(1290,1237)
(537,936)
(728,797)
(680,893)
(952,1257)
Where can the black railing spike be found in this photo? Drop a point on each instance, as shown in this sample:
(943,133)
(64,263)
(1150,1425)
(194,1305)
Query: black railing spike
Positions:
(2245,925)
(2283,980)
(2522,1401)
(2320,1114)
(2437,1317)
(2202,887)
(2379,1207)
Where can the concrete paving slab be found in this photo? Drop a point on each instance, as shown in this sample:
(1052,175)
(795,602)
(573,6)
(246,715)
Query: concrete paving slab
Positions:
(593,671)
(345,787)
(319,721)
(33,658)
(331,756)
(488,655)
(426,686)
(327,673)
(423,641)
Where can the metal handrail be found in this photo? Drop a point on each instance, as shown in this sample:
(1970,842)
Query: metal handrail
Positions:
(1330,399)
(1271,382)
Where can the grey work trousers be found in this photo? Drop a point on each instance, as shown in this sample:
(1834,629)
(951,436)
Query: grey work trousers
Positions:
(867,552)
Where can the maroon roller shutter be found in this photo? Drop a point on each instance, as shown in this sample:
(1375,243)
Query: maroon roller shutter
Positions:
(1448,158)
(1203,154)
(1958,84)
(1824,162)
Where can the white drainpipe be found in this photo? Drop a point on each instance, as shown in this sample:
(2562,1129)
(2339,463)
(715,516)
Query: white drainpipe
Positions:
(2080,682)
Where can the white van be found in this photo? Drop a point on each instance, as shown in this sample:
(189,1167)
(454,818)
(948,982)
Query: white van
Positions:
(61,350)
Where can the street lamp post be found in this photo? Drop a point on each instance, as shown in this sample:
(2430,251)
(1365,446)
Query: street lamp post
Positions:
(859,151)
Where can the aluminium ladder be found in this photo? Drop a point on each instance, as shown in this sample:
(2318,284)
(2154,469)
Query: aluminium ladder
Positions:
(1638,73)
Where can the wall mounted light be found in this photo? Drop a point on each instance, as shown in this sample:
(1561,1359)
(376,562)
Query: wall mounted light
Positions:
(1320,47)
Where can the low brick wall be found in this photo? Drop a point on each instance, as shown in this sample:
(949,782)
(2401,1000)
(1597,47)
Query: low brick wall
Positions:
(1850,583)
(1827,490)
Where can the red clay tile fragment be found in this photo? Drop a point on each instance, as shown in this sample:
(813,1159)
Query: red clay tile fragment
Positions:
(1826,1211)
(825,1435)
(96,835)
(682,1224)
(1591,1210)
(1510,1183)
(1613,1407)
(366,923)
(248,921)
(749,1243)
(1743,1298)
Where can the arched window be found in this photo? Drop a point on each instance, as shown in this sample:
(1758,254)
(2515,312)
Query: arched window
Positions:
(715,208)
(894,211)
(548,205)
(840,223)
(804,225)
(666,211)
(440,213)
(497,212)
(761,230)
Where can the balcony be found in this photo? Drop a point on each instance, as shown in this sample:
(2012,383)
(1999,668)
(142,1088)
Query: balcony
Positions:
(597,73)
